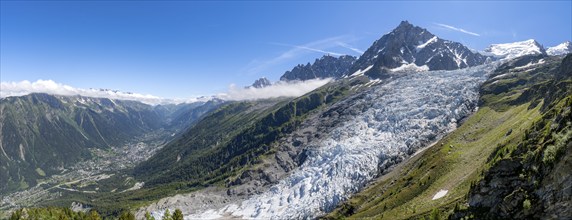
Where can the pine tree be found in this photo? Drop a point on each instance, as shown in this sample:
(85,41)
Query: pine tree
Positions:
(177,215)
(125,215)
(15,215)
(93,215)
(167,215)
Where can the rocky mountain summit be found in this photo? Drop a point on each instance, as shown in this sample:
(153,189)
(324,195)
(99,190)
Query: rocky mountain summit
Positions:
(412,48)
(261,83)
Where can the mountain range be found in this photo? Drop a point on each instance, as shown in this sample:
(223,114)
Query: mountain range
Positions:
(359,146)
(325,67)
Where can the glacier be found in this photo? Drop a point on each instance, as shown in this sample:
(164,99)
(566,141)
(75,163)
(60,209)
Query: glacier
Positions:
(403,115)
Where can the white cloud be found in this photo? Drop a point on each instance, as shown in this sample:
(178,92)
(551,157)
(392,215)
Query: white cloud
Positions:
(347,46)
(458,29)
(310,49)
(49,86)
(278,89)
(321,46)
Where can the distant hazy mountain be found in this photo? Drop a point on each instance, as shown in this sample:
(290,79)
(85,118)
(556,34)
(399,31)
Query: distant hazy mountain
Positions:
(185,115)
(411,48)
(325,67)
(261,83)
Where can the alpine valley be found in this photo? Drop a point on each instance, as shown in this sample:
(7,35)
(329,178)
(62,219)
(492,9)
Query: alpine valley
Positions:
(416,127)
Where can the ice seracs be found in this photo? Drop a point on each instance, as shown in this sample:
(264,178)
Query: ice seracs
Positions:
(560,49)
(512,50)
(399,117)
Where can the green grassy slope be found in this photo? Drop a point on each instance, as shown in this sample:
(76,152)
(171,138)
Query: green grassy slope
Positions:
(509,107)
(531,180)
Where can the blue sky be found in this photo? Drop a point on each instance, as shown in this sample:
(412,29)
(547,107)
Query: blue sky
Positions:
(184,49)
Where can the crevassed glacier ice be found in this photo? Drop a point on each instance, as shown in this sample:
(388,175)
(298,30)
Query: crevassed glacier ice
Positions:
(403,115)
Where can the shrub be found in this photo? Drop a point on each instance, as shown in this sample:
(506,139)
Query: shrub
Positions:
(435,215)
(549,154)
(526,204)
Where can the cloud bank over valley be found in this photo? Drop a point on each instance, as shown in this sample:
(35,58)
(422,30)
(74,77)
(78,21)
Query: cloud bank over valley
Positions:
(278,89)
(234,93)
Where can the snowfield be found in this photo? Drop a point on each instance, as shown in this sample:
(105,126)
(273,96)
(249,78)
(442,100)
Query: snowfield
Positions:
(403,115)
(513,50)
(560,49)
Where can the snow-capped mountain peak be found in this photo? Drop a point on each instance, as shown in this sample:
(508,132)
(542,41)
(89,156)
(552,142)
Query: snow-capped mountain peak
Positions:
(411,48)
(560,49)
(516,49)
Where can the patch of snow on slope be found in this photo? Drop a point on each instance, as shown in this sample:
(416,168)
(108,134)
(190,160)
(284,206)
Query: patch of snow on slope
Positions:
(440,194)
(410,67)
(430,41)
(531,64)
(514,71)
(373,82)
(402,116)
(361,72)
(458,57)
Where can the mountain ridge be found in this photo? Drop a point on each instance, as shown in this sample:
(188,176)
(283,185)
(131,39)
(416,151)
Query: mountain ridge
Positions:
(325,67)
